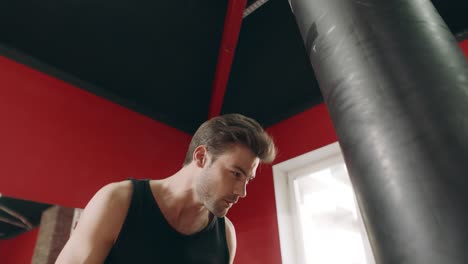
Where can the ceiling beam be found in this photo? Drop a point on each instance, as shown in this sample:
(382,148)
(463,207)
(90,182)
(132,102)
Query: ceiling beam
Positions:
(254,6)
(232,26)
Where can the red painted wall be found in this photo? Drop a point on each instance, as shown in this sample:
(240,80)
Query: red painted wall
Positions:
(56,138)
(20,249)
(464,47)
(60,144)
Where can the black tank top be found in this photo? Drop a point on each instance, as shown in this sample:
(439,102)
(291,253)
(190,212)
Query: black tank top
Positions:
(147,237)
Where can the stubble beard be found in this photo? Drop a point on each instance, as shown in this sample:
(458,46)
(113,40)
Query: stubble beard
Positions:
(205,190)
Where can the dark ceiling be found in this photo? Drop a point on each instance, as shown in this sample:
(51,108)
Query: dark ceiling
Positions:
(160,58)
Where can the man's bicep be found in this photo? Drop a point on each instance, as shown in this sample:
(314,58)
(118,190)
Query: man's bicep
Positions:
(97,227)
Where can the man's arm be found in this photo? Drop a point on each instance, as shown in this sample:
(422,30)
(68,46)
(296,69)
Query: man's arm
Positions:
(98,226)
(231,239)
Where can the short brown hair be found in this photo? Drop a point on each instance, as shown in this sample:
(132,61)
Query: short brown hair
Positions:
(218,133)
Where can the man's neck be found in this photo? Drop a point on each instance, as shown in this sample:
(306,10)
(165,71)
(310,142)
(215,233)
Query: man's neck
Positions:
(179,203)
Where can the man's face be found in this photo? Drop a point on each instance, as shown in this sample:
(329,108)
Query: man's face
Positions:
(225,180)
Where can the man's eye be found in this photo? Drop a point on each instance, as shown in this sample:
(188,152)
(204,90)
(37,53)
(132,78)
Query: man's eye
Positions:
(237,174)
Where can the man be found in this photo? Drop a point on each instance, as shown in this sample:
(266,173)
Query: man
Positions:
(179,219)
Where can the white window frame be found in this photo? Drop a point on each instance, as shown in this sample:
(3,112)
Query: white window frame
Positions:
(284,173)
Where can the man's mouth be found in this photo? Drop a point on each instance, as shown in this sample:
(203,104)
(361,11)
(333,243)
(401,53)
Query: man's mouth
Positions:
(229,203)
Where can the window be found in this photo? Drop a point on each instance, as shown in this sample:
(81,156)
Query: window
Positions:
(318,217)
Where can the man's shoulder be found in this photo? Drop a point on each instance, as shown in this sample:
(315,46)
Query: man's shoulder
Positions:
(230,239)
(116,192)
(230,230)
(228,222)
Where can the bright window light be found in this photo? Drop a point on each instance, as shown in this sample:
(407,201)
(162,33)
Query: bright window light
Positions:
(329,221)
(318,217)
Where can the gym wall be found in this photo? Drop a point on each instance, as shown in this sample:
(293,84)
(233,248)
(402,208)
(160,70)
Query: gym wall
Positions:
(47,130)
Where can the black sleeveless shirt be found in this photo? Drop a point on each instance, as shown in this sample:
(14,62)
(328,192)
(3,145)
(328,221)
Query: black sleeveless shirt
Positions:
(147,237)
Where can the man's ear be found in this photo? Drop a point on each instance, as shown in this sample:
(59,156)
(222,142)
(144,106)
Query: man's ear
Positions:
(200,156)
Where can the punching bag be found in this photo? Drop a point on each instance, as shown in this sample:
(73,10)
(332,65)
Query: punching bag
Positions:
(395,83)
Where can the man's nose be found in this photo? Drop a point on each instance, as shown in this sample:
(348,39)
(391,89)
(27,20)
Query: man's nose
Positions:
(241,189)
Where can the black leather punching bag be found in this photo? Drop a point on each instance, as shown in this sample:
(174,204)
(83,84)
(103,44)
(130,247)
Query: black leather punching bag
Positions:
(396,85)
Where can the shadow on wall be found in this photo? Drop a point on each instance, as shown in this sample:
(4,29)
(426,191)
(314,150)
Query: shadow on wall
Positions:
(18,216)
(56,223)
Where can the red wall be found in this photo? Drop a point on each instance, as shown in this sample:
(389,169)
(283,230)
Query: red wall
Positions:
(56,138)
(464,46)
(20,249)
(60,144)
